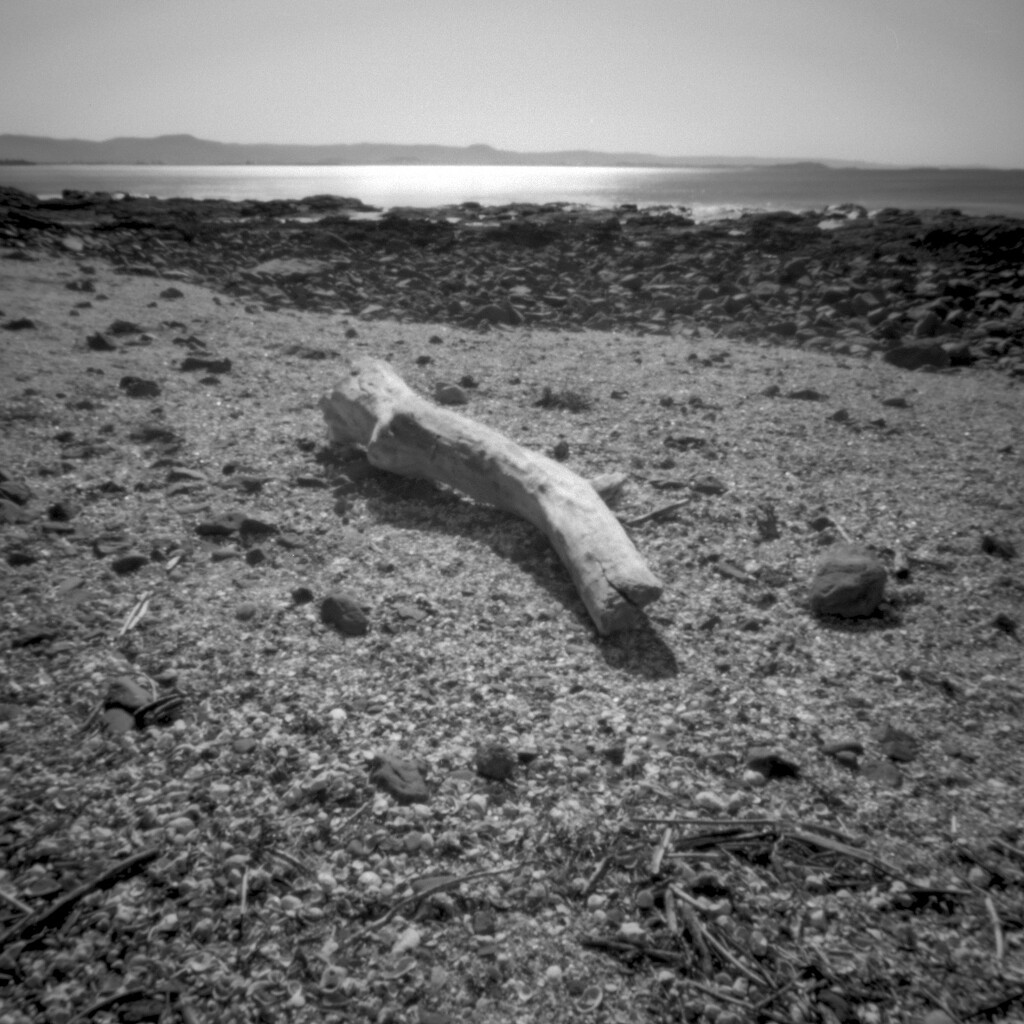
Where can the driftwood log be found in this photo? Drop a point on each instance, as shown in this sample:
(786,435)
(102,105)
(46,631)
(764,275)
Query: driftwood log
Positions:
(405,434)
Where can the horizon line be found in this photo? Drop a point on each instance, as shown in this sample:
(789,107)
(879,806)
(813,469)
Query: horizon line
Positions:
(633,155)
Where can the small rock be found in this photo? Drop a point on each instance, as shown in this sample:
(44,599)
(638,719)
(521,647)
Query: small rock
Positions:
(771,764)
(20,324)
(100,343)
(710,801)
(998,546)
(302,595)
(246,611)
(124,327)
(807,395)
(138,387)
(172,293)
(882,772)
(495,761)
(450,394)
(897,744)
(208,364)
(128,563)
(400,777)
(561,451)
(849,582)
(916,356)
(345,613)
(845,744)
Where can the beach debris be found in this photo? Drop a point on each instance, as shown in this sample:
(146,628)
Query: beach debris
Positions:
(407,435)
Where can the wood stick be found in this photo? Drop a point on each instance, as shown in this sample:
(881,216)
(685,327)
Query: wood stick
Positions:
(405,434)
(58,912)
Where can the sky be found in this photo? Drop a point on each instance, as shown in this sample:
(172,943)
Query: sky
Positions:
(937,82)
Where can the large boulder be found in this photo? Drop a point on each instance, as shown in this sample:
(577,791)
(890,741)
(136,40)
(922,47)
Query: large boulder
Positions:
(849,581)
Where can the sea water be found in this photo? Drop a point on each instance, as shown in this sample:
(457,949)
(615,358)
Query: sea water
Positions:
(707,192)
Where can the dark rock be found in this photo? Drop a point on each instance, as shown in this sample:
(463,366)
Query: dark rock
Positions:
(561,451)
(807,395)
(138,387)
(100,343)
(1006,624)
(914,357)
(20,324)
(34,635)
(63,511)
(124,327)
(207,364)
(849,581)
(128,563)
(771,764)
(172,293)
(250,529)
(302,595)
(989,545)
(495,761)
(709,485)
(401,777)
(222,526)
(345,613)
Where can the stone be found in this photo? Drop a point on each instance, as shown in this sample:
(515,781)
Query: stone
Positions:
(849,582)
(771,764)
(128,563)
(100,343)
(897,744)
(172,293)
(345,613)
(883,772)
(124,327)
(208,364)
(138,387)
(450,394)
(495,761)
(990,545)
(20,324)
(400,777)
(917,356)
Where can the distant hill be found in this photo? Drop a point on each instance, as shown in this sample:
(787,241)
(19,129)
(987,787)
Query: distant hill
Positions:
(184,150)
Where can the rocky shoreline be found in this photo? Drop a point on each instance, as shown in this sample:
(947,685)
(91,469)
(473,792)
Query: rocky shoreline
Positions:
(933,289)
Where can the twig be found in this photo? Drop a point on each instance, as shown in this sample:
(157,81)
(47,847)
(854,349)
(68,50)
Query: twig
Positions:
(13,901)
(693,926)
(596,875)
(725,997)
(441,886)
(58,912)
(773,996)
(361,809)
(290,861)
(245,891)
(632,948)
(991,1009)
(130,995)
(997,929)
(671,921)
(659,852)
(723,951)
(656,514)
